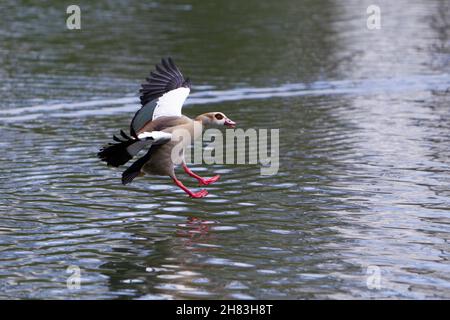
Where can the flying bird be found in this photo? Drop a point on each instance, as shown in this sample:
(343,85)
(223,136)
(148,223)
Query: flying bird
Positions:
(154,125)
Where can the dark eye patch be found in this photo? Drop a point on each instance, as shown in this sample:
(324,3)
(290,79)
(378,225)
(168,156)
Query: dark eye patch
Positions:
(218,116)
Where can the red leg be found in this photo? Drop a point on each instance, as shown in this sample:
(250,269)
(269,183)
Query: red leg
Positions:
(201,180)
(200,194)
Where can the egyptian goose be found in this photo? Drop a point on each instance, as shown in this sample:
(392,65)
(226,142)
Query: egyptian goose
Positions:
(153,126)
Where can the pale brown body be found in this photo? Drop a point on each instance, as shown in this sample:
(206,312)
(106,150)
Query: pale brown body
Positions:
(162,162)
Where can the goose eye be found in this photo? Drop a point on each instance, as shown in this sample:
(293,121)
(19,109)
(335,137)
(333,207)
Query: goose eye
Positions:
(218,116)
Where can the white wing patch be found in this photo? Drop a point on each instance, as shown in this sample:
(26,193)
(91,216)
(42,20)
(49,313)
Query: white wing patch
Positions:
(146,139)
(156,137)
(170,103)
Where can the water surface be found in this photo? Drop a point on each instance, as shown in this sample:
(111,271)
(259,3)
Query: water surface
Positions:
(364,151)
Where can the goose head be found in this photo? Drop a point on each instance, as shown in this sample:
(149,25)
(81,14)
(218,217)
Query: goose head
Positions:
(216,119)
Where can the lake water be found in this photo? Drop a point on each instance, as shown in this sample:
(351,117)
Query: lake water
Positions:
(360,207)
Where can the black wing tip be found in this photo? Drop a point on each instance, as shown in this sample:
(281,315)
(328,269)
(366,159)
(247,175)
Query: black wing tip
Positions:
(116,154)
(169,61)
(165,77)
(167,66)
(128,176)
(135,169)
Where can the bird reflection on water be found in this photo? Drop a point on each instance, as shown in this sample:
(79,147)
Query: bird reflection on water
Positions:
(195,230)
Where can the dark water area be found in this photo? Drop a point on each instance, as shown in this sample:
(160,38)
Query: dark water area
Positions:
(363,182)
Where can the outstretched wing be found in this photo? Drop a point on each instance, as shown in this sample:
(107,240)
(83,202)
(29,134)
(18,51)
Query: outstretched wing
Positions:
(165,78)
(163,94)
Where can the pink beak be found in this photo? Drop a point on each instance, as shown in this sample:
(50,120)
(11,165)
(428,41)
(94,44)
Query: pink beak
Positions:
(230,123)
